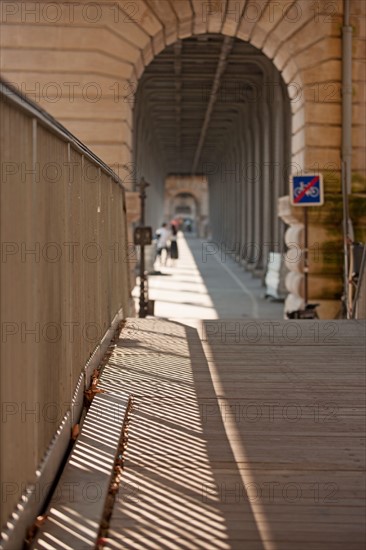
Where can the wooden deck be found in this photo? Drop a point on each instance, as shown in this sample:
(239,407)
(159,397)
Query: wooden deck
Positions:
(247,435)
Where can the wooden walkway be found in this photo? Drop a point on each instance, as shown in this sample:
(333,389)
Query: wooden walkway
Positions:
(247,435)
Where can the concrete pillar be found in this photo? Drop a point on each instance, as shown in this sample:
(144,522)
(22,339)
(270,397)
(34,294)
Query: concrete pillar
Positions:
(278,156)
(237,198)
(250,174)
(243,144)
(266,206)
(257,191)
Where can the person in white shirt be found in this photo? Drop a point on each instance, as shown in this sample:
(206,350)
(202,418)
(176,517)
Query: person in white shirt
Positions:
(163,236)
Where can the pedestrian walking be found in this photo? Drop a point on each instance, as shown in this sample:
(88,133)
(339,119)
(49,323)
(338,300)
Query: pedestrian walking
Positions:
(173,250)
(162,235)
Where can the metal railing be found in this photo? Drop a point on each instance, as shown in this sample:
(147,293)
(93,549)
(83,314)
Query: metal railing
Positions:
(64,281)
(359,300)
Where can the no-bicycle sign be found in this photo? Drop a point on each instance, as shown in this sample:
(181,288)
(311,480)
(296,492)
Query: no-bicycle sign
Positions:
(307,190)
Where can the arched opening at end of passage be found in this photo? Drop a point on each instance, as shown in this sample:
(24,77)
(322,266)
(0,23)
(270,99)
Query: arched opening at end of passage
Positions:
(216,105)
(185,209)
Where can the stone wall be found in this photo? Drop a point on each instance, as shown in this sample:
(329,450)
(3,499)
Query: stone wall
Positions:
(85,60)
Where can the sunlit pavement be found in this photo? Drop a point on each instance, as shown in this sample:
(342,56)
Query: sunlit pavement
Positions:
(204,284)
(245,436)
(253,443)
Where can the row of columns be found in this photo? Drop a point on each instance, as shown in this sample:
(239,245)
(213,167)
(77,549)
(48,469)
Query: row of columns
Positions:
(251,176)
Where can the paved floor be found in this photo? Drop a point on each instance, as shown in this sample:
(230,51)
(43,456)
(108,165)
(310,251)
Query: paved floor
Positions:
(247,435)
(248,432)
(207,284)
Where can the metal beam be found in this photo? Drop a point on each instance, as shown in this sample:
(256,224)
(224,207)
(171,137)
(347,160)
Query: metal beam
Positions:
(193,93)
(178,95)
(225,51)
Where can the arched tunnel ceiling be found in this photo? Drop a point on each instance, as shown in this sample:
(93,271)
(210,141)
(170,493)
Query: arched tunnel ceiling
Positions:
(190,94)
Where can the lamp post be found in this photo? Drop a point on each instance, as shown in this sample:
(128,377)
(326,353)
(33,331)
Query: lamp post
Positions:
(143,304)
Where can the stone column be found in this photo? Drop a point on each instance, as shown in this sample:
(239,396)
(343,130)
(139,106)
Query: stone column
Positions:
(325,256)
(267,206)
(243,144)
(294,238)
(258,185)
(250,175)
(278,156)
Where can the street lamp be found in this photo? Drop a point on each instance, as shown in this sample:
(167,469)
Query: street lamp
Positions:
(142,237)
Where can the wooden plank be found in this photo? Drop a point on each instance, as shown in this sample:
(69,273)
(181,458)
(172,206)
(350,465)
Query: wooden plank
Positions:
(77,505)
(258,446)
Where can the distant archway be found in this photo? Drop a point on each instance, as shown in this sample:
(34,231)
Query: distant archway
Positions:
(216,108)
(188,192)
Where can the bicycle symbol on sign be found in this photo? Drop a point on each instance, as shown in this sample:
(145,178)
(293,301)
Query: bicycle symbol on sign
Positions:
(312,192)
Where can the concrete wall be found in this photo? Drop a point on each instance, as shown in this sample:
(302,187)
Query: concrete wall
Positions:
(63,279)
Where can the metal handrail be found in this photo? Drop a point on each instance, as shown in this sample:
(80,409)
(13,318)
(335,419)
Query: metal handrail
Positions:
(360,281)
(11,94)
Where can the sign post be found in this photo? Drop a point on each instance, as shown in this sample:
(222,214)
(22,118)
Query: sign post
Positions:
(307,190)
(142,236)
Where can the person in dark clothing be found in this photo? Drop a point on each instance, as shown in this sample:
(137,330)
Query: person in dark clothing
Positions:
(173,252)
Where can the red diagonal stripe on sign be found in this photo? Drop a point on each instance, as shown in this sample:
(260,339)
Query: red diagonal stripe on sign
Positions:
(303,192)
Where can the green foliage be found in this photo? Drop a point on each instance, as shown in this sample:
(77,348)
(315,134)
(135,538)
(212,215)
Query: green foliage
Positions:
(358,183)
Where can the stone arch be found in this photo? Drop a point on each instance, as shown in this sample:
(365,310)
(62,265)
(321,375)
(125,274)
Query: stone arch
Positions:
(292,35)
(278,30)
(300,37)
(258,74)
(192,213)
(197,188)
(265,26)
